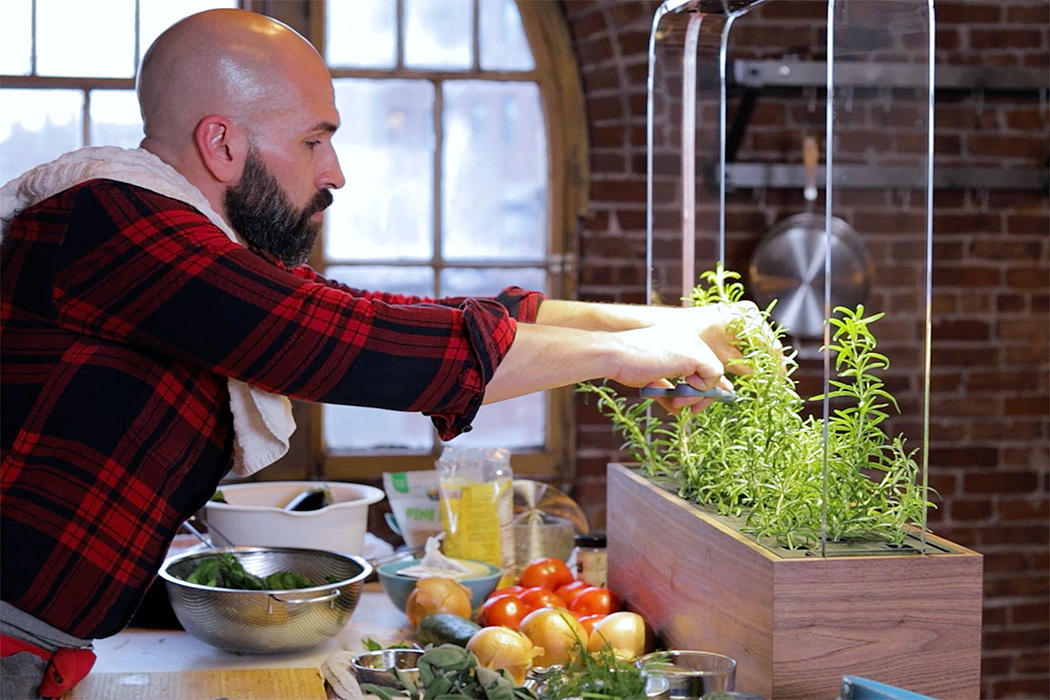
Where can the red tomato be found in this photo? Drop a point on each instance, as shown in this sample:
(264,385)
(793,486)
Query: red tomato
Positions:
(569,590)
(512,590)
(588,622)
(503,610)
(595,601)
(541,598)
(548,572)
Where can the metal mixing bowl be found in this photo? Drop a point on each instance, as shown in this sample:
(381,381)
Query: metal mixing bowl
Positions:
(267,622)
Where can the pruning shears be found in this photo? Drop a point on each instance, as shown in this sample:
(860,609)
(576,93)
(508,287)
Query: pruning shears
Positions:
(682,389)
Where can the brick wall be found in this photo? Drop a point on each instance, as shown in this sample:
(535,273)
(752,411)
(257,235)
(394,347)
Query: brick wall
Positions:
(991,371)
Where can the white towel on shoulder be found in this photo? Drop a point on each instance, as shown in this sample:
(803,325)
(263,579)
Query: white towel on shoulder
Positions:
(262,421)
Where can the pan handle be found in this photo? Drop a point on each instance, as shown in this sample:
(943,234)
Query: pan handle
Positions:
(810,158)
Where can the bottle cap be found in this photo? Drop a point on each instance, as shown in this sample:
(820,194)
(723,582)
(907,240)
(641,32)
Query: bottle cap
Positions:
(591,539)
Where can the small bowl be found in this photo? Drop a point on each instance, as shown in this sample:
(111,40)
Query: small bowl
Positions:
(398,587)
(375,666)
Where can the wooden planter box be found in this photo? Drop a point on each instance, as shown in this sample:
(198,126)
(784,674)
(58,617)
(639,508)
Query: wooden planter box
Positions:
(795,624)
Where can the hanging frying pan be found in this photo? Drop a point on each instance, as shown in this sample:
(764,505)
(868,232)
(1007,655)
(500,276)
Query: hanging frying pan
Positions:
(788,264)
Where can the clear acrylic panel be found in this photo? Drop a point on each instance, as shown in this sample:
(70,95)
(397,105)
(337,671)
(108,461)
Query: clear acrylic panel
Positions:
(875,122)
(37,126)
(350,428)
(362,33)
(683,141)
(74,38)
(874,113)
(494,172)
(386,149)
(439,34)
(16,37)
(501,37)
(115,119)
(157,15)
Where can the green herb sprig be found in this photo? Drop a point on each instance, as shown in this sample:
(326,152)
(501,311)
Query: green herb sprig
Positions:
(595,675)
(449,672)
(761,459)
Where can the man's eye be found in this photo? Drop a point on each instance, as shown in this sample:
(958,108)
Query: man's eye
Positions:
(313,144)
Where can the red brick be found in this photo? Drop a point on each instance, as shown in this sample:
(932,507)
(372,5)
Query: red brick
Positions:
(1034,224)
(1024,509)
(961,330)
(999,37)
(998,482)
(966,12)
(1007,145)
(1030,329)
(1028,277)
(970,509)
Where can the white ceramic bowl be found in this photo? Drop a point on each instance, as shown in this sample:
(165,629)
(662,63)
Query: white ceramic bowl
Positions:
(254,515)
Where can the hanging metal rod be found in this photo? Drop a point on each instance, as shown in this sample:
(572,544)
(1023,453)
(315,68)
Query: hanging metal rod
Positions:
(849,176)
(793,73)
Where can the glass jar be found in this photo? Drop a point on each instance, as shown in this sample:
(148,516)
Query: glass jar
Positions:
(591,558)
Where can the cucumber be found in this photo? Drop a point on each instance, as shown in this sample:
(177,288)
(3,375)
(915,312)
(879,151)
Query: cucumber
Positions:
(446,628)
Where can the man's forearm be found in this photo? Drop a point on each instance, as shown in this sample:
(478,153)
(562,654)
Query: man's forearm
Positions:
(603,317)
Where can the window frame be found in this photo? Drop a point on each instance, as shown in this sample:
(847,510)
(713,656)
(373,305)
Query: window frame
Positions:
(561,95)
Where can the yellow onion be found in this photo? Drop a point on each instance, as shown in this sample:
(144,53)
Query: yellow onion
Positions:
(502,647)
(556,631)
(623,631)
(437,594)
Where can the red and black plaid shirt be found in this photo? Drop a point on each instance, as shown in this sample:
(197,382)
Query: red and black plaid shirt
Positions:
(123,314)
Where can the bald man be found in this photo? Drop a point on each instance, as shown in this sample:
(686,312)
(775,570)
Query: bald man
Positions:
(146,292)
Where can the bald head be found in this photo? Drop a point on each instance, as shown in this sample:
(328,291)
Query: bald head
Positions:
(235,63)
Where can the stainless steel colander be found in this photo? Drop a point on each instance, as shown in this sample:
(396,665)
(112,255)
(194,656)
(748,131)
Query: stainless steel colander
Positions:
(267,622)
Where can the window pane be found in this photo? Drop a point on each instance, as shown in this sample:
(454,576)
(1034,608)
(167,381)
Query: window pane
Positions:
(489,282)
(157,15)
(409,281)
(354,428)
(361,33)
(502,37)
(16,37)
(519,422)
(513,424)
(75,38)
(438,33)
(115,119)
(386,149)
(494,171)
(357,428)
(37,126)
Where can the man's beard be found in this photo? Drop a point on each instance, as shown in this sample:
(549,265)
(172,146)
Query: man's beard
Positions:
(261,213)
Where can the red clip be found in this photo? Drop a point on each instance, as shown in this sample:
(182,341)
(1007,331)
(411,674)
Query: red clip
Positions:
(67,668)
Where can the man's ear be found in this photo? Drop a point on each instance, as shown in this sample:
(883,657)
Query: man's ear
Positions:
(220,146)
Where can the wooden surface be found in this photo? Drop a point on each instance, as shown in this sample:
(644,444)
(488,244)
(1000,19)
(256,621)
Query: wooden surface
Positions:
(165,664)
(235,684)
(795,626)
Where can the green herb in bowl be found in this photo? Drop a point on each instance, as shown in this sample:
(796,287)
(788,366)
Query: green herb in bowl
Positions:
(224,571)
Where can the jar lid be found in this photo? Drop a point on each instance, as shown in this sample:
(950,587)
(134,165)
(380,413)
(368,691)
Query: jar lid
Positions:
(591,539)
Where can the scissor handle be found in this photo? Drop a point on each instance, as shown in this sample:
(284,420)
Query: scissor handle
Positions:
(683,389)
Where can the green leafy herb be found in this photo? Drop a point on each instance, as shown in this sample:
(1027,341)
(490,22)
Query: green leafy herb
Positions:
(224,571)
(449,672)
(597,675)
(760,459)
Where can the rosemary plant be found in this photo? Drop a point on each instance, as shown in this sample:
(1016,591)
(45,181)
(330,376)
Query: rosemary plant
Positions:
(760,459)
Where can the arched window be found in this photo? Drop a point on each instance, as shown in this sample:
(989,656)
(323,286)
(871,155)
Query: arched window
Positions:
(463,143)
(463,148)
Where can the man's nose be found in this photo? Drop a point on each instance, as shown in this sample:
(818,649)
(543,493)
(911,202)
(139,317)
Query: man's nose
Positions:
(331,175)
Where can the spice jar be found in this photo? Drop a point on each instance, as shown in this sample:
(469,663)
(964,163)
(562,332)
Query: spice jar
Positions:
(591,559)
